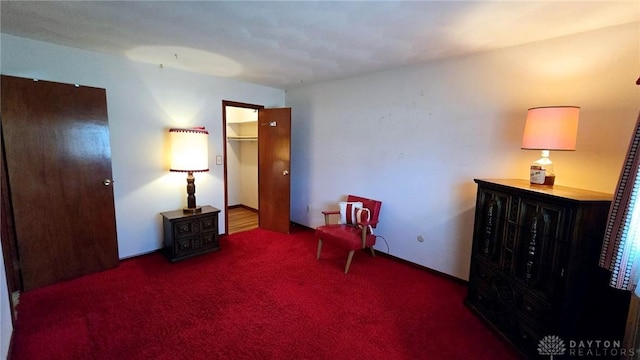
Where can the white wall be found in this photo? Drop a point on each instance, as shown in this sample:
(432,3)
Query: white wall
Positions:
(143,101)
(416,137)
(233,172)
(242,173)
(249,174)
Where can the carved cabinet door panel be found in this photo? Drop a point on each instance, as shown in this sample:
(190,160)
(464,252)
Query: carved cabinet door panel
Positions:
(490,226)
(539,250)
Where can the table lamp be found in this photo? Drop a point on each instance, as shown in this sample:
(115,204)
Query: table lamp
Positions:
(549,128)
(189,153)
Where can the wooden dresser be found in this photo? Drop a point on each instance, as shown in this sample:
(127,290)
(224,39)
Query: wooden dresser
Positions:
(534,265)
(190,234)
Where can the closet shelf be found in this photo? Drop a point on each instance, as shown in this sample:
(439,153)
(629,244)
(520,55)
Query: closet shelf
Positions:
(242,138)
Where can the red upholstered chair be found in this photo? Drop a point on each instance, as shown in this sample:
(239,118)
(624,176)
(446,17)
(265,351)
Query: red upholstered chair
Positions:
(354,232)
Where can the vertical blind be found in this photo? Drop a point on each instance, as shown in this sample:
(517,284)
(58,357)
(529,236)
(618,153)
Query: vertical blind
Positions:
(621,245)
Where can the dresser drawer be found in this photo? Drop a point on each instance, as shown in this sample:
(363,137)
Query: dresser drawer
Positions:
(535,312)
(481,296)
(182,229)
(488,293)
(527,339)
(182,247)
(480,271)
(481,292)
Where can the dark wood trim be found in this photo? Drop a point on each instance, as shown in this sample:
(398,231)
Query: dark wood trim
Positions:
(243,206)
(241,105)
(8,239)
(302,227)
(424,268)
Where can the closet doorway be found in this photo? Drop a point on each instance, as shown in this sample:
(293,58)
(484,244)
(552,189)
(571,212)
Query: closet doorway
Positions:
(241,170)
(257,159)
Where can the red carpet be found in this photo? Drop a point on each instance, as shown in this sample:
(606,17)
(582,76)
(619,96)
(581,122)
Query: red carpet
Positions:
(263,296)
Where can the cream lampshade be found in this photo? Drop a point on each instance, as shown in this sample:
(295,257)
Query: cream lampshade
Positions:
(189,153)
(549,128)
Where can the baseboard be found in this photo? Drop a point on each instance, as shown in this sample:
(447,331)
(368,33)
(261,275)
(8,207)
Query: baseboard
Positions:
(302,227)
(424,268)
(243,206)
(378,252)
(141,254)
(395,258)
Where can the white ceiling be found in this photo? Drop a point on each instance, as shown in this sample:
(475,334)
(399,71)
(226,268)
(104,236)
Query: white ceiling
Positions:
(288,43)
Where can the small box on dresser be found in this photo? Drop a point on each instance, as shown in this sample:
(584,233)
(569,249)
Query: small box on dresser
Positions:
(534,266)
(190,234)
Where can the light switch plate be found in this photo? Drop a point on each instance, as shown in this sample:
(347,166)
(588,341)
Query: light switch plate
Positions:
(219,160)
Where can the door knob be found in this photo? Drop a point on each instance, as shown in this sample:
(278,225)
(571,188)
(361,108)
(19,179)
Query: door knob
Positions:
(107,182)
(285,172)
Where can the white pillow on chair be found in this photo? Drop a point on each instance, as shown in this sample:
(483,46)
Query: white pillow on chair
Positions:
(348,212)
(352,213)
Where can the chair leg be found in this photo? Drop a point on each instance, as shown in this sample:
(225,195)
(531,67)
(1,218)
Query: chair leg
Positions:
(373,252)
(319,248)
(346,268)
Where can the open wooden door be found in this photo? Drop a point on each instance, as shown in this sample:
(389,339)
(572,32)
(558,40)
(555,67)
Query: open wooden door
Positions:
(274,160)
(58,161)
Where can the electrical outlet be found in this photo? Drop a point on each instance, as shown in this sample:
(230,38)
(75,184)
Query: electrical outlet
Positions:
(420,238)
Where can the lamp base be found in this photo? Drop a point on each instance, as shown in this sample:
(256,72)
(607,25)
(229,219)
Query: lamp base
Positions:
(191,196)
(541,171)
(193,210)
(548,181)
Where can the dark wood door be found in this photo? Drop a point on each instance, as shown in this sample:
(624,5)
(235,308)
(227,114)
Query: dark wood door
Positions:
(274,160)
(58,159)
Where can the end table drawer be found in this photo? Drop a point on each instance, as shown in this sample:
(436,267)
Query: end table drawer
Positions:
(192,227)
(190,234)
(195,245)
